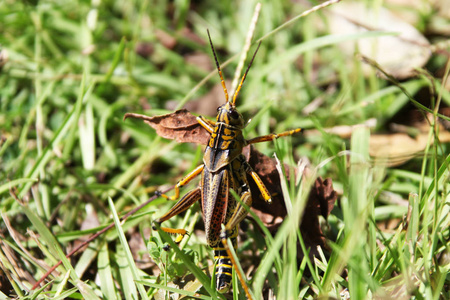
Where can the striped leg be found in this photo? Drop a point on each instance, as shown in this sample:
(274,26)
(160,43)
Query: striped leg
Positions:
(231,231)
(185,180)
(207,124)
(184,203)
(273,136)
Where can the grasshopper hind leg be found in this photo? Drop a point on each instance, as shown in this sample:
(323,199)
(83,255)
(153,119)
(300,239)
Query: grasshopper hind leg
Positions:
(225,260)
(182,205)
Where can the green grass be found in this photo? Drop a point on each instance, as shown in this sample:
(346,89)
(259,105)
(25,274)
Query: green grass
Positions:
(73,70)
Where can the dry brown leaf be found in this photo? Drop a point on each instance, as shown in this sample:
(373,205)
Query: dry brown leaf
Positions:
(181,126)
(398,288)
(321,200)
(396,148)
(399,55)
(144,49)
(343,131)
(165,39)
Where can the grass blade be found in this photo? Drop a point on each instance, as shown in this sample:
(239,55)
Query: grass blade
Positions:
(127,252)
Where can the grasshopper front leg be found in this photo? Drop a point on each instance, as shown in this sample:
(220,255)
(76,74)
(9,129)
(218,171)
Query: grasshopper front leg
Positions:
(241,168)
(273,136)
(185,180)
(207,124)
(225,260)
(239,214)
(183,204)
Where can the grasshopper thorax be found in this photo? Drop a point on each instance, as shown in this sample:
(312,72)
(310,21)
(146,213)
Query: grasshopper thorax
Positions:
(228,114)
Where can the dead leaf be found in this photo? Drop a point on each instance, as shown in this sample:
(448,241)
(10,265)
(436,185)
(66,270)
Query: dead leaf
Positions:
(165,39)
(190,35)
(180,125)
(90,221)
(398,288)
(343,131)
(321,200)
(394,149)
(398,55)
(144,49)
(274,213)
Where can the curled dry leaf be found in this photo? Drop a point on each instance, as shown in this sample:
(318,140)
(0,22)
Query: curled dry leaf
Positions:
(183,127)
(320,202)
(179,125)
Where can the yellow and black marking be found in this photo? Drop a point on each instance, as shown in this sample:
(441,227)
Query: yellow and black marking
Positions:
(186,179)
(224,169)
(273,136)
(224,269)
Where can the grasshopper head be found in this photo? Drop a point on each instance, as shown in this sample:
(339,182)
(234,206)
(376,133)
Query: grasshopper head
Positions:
(228,114)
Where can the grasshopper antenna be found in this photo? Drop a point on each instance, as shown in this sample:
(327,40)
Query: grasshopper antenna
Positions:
(243,77)
(218,67)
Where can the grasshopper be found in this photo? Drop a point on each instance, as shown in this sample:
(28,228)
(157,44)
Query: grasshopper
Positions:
(224,168)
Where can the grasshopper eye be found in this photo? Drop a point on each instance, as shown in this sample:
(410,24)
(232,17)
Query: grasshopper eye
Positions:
(234,114)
